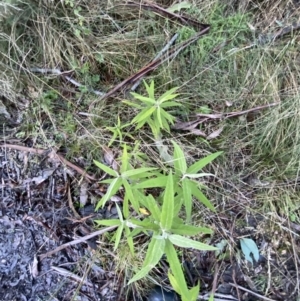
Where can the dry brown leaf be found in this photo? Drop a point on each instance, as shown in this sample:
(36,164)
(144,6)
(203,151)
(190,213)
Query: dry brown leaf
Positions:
(215,134)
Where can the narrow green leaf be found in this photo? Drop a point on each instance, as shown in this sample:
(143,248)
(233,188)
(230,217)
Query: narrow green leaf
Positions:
(130,195)
(146,224)
(108,222)
(167,116)
(179,159)
(174,283)
(178,202)
(126,206)
(197,193)
(132,104)
(189,230)
(107,181)
(112,189)
(165,124)
(152,206)
(170,104)
(125,159)
(106,169)
(185,242)
(194,292)
(168,205)
(154,128)
(118,236)
(141,274)
(144,99)
(144,114)
(176,269)
(119,213)
(154,253)
(193,169)
(137,171)
(152,183)
(168,94)
(166,98)
(129,239)
(187,198)
(158,117)
(150,89)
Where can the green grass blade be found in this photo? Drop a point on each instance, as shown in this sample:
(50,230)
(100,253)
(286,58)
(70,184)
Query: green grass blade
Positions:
(193,169)
(185,242)
(168,205)
(106,169)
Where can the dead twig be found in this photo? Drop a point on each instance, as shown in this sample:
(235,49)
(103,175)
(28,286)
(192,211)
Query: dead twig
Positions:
(184,20)
(151,66)
(77,241)
(250,292)
(51,154)
(71,275)
(201,118)
(167,46)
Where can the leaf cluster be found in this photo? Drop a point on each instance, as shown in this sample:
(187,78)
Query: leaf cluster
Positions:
(161,222)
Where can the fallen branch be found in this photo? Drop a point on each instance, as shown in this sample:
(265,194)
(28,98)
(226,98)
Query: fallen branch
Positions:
(201,118)
(77,241)
(184,20)
(152,66)
(169,44)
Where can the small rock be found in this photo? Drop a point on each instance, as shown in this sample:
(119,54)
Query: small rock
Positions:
(158,294)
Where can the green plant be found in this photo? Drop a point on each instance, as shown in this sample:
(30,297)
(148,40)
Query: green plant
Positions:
(126,177)
(162,224)
(167,231)
(186,180)
(153,111)
(117,132)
